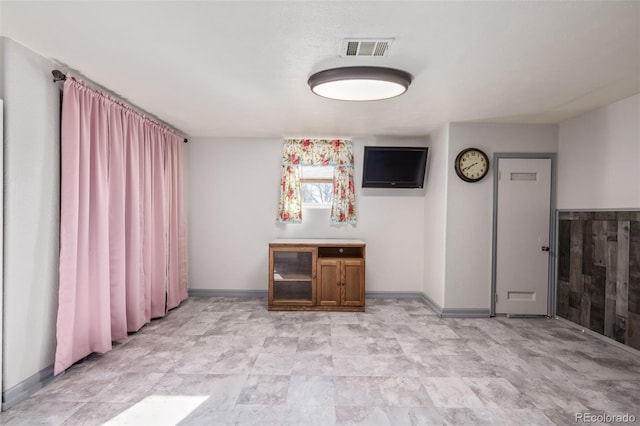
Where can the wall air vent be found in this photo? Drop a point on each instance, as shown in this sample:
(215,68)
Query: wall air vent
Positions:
(366,47)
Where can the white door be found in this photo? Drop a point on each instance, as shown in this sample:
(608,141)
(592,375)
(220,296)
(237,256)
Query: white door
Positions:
(523,232)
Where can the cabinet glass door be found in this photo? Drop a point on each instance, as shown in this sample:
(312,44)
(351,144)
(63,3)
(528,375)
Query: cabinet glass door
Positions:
(293,276)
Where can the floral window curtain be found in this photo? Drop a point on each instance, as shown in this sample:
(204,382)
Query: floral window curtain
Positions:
(317,152)
(290,209)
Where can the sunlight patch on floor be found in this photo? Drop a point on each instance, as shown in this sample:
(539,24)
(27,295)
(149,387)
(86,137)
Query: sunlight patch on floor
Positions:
(158,410)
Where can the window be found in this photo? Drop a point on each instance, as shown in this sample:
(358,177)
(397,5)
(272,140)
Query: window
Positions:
(335,156)
(316,185)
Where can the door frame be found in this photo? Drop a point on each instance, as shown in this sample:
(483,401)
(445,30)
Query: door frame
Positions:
(551,295)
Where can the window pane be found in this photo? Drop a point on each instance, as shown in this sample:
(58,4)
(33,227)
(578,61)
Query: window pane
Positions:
(317,184)
(317,193)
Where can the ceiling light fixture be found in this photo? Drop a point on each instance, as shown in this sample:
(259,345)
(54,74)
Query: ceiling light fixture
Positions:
(360,83)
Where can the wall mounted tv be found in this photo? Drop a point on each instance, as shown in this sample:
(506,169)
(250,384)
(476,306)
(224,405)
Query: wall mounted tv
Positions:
(394,167)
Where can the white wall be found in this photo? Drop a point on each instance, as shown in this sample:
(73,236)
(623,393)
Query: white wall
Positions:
(1,221)
(31,196)
(435,202)
(232,207)
(470,207)
(599,158)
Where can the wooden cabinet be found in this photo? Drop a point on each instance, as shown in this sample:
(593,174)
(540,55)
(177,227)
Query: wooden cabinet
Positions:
(324,275)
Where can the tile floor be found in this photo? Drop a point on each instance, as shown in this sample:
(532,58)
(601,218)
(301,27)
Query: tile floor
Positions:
(395,364)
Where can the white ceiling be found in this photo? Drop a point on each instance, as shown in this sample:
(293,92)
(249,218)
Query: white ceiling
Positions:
(240,68)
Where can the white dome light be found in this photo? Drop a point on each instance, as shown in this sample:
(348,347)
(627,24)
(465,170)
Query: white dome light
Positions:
(360,83)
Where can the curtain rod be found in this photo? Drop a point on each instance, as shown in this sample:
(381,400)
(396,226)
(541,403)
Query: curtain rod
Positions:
(59,76)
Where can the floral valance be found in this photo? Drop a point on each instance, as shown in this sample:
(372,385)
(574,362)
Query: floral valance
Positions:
(317,152)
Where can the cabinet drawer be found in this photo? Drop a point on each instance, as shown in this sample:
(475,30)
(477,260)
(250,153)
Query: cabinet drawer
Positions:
(346,251)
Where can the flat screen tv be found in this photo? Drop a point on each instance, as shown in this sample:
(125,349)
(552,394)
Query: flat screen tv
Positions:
(394,167)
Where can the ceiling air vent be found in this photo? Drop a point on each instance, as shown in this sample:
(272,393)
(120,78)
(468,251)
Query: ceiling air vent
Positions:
(366,47)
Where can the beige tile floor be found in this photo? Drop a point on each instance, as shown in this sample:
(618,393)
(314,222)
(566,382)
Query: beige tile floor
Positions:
(395,364)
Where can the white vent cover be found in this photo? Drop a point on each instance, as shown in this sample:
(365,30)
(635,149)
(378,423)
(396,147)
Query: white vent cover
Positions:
(366,46)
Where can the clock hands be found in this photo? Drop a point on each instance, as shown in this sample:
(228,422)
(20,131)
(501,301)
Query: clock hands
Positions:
(468,167)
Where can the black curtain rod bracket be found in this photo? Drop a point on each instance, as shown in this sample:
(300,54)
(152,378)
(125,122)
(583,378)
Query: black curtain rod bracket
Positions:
(58,76)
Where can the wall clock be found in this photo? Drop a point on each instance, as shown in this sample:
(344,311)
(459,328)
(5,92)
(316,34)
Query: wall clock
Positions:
(472,165)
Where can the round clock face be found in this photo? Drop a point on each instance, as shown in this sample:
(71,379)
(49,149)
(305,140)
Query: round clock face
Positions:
(472,164)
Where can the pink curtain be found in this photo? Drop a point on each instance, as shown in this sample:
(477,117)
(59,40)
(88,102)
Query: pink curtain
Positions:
(122,239)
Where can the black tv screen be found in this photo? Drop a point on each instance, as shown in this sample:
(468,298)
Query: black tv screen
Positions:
(394,167)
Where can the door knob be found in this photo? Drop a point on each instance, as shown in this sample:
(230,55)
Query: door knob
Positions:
(544,248)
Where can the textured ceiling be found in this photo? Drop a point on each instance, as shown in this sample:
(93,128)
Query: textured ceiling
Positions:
(240,68)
